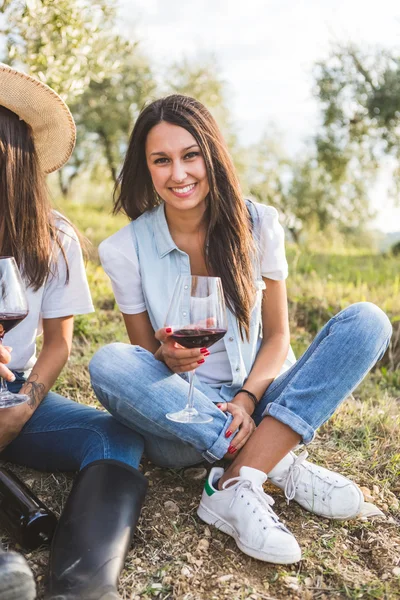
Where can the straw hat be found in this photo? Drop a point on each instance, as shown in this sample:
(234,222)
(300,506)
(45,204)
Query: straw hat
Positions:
(40,107)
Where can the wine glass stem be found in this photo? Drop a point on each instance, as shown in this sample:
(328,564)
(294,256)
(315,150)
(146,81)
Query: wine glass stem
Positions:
(191,390)
(3,387)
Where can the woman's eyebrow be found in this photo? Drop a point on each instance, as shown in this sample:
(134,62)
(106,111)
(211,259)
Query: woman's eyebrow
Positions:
(183,150)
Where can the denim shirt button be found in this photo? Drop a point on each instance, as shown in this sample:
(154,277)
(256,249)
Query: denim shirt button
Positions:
(184,314)
(186,287)
(237,369)
(231,339)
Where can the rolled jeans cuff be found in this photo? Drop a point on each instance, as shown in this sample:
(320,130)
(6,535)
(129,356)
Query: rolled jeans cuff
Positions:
(286,416)
(221,445)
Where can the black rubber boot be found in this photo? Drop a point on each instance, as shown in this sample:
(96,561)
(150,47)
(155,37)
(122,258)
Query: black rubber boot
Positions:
(16,578)
(95,531)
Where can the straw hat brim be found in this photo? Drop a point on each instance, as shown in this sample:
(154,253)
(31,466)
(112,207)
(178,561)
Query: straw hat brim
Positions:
(52,124)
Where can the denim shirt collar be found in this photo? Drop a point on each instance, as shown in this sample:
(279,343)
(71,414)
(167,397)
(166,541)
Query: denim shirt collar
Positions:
(163,239)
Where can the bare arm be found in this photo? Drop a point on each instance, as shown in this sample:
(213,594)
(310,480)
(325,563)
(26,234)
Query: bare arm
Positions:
(57,341)
(140,331)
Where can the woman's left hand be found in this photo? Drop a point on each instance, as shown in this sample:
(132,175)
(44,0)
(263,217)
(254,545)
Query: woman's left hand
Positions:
(241,420)
(12,421)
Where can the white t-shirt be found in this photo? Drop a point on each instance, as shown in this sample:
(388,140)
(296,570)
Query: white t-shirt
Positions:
(54,299)
(120,262)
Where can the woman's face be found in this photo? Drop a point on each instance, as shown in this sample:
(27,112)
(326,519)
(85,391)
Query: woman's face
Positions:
(176,166)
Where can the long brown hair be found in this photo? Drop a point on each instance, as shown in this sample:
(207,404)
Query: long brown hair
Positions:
(229,239)
(26,218)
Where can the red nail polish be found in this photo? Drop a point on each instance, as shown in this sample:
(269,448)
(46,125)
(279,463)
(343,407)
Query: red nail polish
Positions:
(199,362)
(168,330)
(231,450)
(228,434)
(219,405)
(204,351)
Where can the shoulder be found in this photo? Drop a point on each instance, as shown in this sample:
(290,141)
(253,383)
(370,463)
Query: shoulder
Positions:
(66,234)
(64,226)
(265,212)
(120,242)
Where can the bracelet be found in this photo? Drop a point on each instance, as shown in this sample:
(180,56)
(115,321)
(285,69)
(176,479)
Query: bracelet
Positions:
(250,395)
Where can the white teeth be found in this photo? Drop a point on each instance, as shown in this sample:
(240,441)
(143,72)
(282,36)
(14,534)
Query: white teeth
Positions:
(184,190)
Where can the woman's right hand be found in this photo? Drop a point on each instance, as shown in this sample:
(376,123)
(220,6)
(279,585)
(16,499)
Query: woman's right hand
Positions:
(5,357)
(177,358)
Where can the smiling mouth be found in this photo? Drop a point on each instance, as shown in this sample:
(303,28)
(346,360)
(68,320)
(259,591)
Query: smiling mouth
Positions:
(183,190)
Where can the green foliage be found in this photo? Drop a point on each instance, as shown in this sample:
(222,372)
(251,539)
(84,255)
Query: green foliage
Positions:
(73,46)
(360,99)
(396,249)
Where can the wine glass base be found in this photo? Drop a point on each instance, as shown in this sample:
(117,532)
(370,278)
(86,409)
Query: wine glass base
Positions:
(189,416)
(8,400)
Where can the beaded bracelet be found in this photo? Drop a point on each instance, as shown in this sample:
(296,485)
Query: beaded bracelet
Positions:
(250,395)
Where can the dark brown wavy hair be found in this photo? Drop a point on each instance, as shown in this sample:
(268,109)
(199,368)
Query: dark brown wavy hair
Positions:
(26,218)
(229,238)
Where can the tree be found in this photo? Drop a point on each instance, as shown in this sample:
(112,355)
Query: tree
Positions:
(72,45)
(202,80)
(360,100)
(306,193)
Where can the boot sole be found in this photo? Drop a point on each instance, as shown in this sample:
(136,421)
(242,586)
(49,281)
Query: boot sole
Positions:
(212,519)
(18,584)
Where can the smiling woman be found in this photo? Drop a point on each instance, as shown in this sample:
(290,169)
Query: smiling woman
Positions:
(178,171)
(189,217)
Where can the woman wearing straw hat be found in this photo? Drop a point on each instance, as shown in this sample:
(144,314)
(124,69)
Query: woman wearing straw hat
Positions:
(49,432)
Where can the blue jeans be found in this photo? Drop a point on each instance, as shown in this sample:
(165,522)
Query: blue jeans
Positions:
(66,436)
(138,389)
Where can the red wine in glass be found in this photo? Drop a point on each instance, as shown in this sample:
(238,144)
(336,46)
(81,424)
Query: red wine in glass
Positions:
(197,316)
(9,320)
(198,338)
(13,309)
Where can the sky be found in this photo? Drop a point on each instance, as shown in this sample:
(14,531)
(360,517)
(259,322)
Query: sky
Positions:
(266,50)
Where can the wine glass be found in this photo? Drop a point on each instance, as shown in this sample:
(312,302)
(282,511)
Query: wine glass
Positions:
(197,316)
(13,309)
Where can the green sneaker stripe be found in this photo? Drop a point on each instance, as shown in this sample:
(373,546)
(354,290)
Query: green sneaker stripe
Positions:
(209,490)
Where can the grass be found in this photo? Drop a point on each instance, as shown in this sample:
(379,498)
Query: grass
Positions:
(176,556)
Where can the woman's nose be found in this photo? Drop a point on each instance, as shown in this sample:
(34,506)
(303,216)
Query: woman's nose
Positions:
(178,172)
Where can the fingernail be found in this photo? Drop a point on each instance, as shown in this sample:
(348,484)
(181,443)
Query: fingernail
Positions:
(231,450)
(219,405)
(228,434)
(168,330)
(204,351)
(199,362)
(12,379)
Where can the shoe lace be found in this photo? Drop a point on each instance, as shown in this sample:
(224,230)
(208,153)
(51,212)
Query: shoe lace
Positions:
(264,501)
(294,475)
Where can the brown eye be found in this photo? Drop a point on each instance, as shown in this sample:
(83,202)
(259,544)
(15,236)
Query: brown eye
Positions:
(190,155)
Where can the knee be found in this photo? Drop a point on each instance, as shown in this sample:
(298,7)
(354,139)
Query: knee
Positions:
(114,361)
(104,358)
(372,320)
(109,439)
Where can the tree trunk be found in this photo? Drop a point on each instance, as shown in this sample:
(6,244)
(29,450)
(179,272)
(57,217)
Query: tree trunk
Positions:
(65,186)
(108,153)
(295,234)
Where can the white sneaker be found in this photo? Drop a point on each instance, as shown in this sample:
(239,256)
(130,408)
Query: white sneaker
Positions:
(322,492)
(243,510)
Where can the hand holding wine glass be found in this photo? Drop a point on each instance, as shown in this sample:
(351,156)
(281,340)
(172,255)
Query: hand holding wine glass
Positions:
(197,317)
(13,309)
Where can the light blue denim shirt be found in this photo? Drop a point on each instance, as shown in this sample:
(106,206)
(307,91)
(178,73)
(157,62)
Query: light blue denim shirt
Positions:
(161,262)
